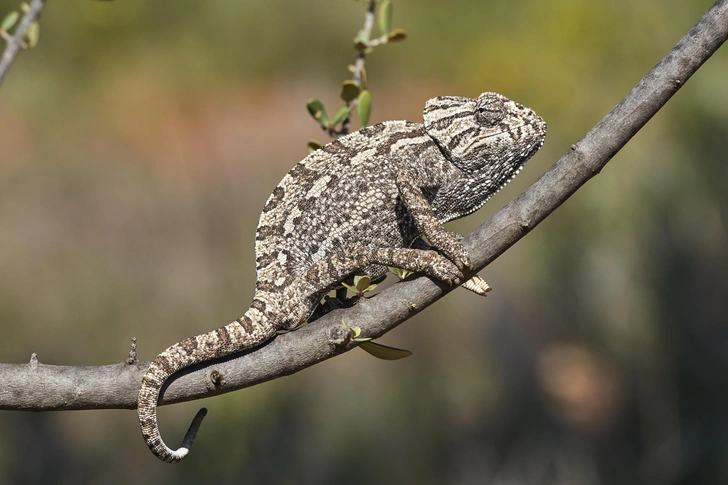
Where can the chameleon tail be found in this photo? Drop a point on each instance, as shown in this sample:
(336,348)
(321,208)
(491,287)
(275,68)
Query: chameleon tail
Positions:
(248,331)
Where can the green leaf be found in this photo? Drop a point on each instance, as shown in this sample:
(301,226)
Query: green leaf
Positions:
(363,36)
(9,21)
(397,34)
(385,17)
(349,91)
(361,41)
(361,283)
(317,110)
(314,145)
(363,78)
(364,109)
(401,273)
(354,331)
(384,352)
(32,34)
(341,115)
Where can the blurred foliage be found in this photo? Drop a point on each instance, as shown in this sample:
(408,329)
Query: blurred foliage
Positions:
(140,140)
(354,92)
(30,36)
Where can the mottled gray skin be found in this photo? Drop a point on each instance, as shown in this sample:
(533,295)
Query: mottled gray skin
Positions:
(355,206)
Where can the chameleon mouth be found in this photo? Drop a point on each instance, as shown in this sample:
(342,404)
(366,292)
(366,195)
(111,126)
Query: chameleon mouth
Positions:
(536,147)
(541,129)
(518,169)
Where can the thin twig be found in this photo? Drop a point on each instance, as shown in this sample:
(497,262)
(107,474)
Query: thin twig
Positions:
(358,68)
(16,43)
(42,387)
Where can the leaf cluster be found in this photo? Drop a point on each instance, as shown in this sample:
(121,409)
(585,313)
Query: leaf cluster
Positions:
(30,37)
(384,352)
(354,92)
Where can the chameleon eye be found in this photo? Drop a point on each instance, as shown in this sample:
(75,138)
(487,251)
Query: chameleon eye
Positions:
(490,112)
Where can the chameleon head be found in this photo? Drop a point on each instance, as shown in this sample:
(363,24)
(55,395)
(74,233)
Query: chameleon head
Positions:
(490,134)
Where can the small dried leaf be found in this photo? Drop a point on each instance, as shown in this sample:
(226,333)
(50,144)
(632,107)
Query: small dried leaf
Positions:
(384,352)
(385,16)
(364,109)
(32,34)
(314,145)
(25,7)
(317,110)
(396,34)
(9,21)
(349,91)
(363,78)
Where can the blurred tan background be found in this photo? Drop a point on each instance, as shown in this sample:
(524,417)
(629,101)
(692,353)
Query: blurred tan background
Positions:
(140,139)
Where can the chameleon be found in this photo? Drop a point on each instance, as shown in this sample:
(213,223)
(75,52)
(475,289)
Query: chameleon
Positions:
(361,203)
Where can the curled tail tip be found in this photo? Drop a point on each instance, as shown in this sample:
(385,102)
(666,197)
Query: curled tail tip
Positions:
(177,456)
(191,434)
(168,455)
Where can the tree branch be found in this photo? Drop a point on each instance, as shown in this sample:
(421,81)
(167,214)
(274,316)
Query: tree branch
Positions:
(15,43)
(41,387)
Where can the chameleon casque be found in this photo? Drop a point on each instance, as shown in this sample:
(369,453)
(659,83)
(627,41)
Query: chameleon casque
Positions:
(357,205)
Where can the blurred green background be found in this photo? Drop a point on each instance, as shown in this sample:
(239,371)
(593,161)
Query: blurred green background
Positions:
(141,138)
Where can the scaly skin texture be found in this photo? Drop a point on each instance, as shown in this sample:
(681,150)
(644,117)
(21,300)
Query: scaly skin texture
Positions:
(355,206)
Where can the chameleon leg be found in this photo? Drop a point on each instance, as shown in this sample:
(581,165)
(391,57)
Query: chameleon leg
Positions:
(341,266)
(476,284)
(427,223)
